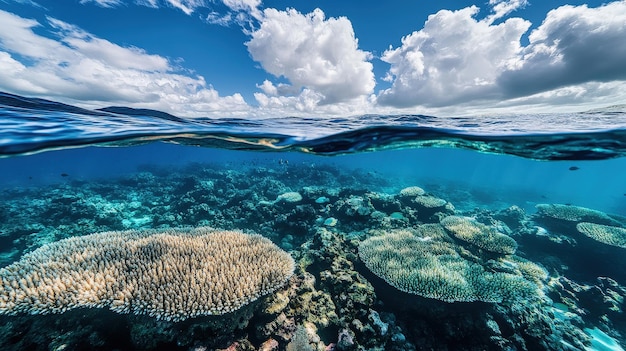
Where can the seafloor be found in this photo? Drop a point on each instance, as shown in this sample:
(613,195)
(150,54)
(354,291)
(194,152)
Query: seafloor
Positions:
(330,220)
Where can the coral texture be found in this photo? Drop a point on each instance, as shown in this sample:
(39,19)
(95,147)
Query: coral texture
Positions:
(572,213)
(170,274)
(435,269)
(485,237)
(412,191)
(606,234)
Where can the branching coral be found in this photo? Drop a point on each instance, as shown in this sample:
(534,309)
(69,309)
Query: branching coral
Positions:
(170,274)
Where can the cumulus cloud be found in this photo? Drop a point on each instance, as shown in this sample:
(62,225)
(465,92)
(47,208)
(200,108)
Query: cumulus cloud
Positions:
(82,68)
(453,59)
(309,103)
(573,45)
(457,59)
(318,56)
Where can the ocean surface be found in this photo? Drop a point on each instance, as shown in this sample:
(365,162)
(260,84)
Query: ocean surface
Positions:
(406,232)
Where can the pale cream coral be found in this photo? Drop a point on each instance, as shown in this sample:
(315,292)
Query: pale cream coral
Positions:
(430,201)
(171,274)
(291,196)
(412,191)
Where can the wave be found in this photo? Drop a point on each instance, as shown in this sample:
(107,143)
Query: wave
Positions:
(29,125)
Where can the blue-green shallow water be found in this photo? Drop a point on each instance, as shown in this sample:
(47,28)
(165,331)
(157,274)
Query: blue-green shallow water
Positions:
(594,184)
(559,290)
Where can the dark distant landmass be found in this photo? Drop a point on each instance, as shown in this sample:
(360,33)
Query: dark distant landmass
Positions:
(129,111)
(41,104)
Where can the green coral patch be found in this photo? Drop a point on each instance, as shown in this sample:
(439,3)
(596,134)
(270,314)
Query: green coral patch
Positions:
(434,269)
(606,234)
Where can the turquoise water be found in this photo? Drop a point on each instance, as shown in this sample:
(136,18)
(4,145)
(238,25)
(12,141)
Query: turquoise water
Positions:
(378,263)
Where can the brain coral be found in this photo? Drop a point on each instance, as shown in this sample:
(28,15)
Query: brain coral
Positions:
(485,237)
(434,269)
(614,236)
(171,274)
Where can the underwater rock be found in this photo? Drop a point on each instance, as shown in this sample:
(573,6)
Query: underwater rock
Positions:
(513,216)
(601,302)
(427,206)
(355,206)
(299,341)
(269,345)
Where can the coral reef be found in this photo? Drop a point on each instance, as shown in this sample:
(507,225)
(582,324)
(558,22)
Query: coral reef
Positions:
(348,231)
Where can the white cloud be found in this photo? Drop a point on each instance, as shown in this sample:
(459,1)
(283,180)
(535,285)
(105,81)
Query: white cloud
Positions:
(26,2)
(453,59)
(456,60)
(239,11)
(103,3)
(501,8)
(248,6)
(148,3)
(308,103)
(186,6)
(113,55)
(573,45)
(84,69)
(318,56)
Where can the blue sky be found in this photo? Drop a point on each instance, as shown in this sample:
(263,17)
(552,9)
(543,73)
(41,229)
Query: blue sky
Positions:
(254,58)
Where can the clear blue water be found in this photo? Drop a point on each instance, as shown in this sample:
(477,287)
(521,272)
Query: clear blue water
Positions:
(482,165)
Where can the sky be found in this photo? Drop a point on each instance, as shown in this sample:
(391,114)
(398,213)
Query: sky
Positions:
(317,58)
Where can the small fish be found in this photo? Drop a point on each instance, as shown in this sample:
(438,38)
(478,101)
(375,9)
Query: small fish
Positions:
(574,168)
(64,175)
